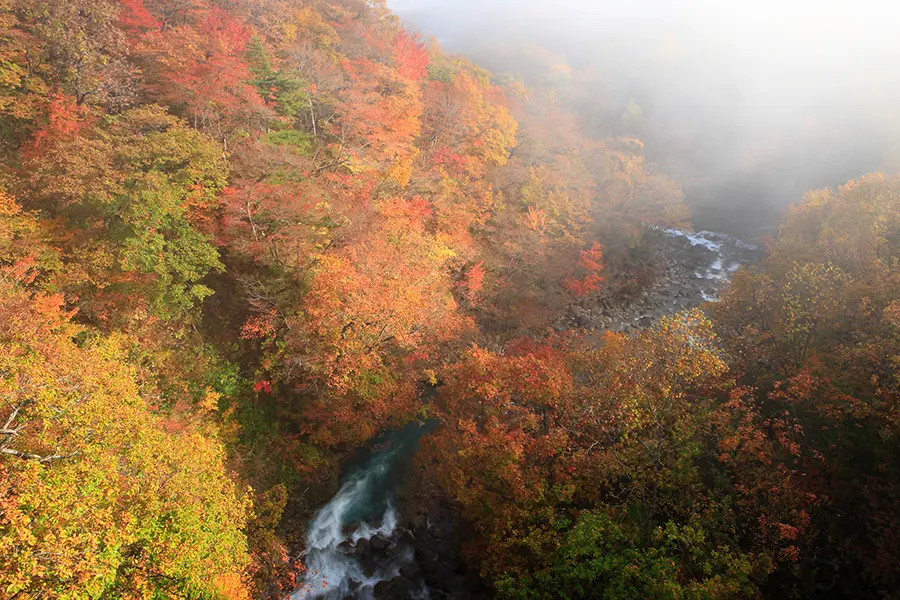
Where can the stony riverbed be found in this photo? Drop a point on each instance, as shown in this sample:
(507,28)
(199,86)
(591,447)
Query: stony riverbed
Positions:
(370,543)
(692,269)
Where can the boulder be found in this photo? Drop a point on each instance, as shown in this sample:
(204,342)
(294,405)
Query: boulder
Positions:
(437,575)
(363,546)
(410,571)
(408,537)
(369,566)
(379,542)
(424,554)
(345,547)
(401,588)
(382,588)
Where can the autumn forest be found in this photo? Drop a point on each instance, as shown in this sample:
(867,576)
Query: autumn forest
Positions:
(243,241)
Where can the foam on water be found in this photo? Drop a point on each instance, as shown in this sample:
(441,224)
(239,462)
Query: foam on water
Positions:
(333,570)
(727,254)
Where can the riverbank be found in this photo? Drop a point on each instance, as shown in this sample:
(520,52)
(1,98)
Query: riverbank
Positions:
(690,269)
(389,534)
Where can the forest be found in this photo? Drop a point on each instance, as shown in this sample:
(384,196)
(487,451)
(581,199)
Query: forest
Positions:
(244,241)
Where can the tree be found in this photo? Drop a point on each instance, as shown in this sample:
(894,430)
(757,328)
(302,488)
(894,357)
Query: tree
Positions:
(24,78)
(25,255)
(86,49)
(533,436)
(199,68)
(371,310)
(131,193)
(635,197)
(814,331)
(99,496)
(604,558)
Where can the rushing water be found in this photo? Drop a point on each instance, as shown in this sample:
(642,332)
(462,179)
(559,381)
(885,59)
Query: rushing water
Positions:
(337,561)
(363,509)
(726,255)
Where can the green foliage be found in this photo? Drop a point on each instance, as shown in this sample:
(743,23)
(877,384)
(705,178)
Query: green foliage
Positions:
(98,495)
(442,69)
(602,558)
(289,93)
(131,191)
(298,141)
(389,215)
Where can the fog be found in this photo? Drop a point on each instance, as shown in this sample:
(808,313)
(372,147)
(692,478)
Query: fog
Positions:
(747,104)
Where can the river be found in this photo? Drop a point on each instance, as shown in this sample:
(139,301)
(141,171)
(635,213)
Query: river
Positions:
(355,546)
(352,542)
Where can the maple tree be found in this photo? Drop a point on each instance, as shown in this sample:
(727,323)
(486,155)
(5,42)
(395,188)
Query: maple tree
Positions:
(815,329)
(130,192)
(97,497)
(241,238)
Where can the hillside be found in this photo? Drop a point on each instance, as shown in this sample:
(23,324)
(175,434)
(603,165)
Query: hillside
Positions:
(241,240)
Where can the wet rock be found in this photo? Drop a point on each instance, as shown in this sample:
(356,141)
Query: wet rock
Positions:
(382,588)
(380,543)
(447,553)
(363,546)
(369,566)
(437,575)
(401,588)
(425,555)
(410,571)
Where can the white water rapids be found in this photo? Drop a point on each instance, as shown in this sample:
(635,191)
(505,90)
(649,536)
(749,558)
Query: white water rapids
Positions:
(361,510)
(727,255)
(339,561)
